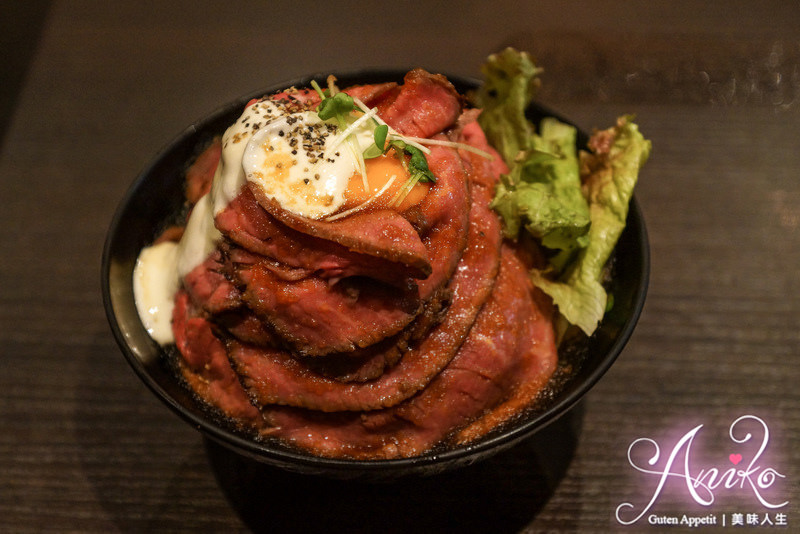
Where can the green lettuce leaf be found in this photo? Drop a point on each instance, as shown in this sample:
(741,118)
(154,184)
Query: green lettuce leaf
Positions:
(610,174)
(543,190)
(575,206)
(511,79)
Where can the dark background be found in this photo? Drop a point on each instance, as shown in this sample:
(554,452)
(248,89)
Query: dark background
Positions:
(92,90)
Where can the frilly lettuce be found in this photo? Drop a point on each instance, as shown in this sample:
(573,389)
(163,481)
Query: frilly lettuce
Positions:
(542,193)
(510,82)
(609,179)
(575,205)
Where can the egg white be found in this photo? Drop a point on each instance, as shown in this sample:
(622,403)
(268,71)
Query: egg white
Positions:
(301,162)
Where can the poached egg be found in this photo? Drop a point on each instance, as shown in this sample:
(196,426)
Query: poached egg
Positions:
(315,168)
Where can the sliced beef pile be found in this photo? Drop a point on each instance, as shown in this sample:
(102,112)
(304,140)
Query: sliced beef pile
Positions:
(376,335)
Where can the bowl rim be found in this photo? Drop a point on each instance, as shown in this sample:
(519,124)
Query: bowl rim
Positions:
(296,459)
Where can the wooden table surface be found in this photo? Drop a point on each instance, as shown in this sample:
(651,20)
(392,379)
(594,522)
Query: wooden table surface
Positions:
(85,446)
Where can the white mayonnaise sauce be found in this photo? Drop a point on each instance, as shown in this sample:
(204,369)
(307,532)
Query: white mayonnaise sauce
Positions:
(154,286)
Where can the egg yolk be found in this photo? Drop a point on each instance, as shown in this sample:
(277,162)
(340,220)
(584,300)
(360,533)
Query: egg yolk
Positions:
(380,171)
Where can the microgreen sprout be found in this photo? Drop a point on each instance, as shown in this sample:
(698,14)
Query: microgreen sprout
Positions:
(417,163)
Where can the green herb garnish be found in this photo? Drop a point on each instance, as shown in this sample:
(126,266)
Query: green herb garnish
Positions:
(339,107)
(417,164)
(336,107)
(377,149)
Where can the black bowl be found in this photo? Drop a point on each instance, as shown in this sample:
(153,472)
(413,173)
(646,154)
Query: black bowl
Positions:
(157,195)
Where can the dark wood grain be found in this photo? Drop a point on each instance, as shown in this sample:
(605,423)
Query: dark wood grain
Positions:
(85,447)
